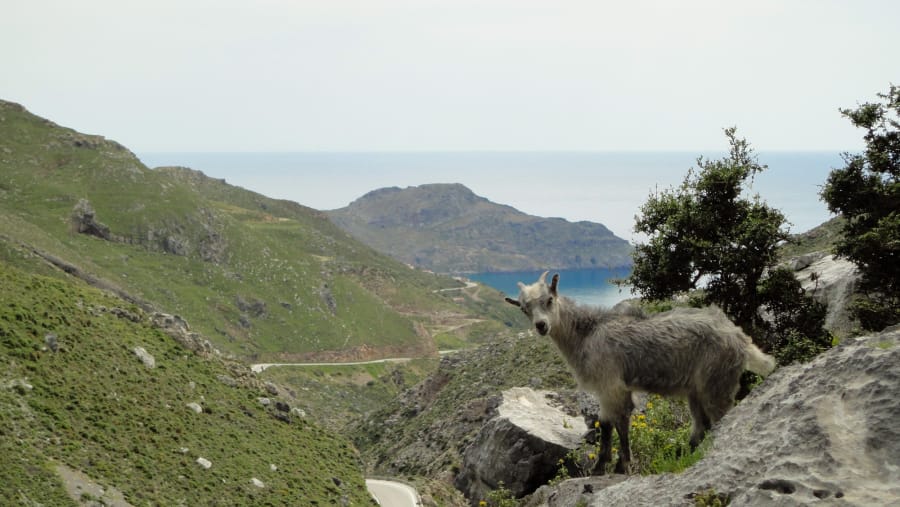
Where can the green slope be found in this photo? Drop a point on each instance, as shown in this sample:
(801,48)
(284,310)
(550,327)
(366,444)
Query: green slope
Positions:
(93,406)
(264,279)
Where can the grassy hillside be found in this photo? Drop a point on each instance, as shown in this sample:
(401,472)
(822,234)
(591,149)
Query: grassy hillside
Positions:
(262,278)
(821,238)
(74,395)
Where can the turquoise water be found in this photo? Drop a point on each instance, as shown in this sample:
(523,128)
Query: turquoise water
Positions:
(586,286)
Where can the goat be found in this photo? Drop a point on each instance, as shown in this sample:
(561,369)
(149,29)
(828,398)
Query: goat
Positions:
(695,353)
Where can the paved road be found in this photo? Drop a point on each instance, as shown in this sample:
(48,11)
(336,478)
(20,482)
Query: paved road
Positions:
(393,494)
(258,367)
(262,366)
(468,285)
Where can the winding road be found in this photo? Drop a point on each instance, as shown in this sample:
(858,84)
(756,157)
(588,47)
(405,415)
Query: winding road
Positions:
(393,494)
(264,366)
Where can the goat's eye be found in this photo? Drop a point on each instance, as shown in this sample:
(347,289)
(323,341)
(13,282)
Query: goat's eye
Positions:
(549,301)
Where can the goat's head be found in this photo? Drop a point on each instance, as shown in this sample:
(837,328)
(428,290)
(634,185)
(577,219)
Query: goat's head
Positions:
(539,302)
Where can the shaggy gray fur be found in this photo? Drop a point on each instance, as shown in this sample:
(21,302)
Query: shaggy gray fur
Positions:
(695,353)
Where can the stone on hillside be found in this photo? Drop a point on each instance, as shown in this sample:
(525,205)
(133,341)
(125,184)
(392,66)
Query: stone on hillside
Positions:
(21,386)
(84,220)
(195,407)
(52,342)
(254,307)
(832,281)
(178,328)
(520,447)
(228,381)
(205,463)
(822,433)
(145,357)
(176,245)
(125,314)
(258,483)
(328,298)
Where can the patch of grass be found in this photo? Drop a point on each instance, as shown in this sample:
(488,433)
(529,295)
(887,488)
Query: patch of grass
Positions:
(660,437)
(710,498)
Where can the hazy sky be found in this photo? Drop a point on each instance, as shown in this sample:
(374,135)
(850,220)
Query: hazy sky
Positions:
(296,75)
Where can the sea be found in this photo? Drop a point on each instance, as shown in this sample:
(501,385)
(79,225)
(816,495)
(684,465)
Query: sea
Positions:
(586,286)
(603,187)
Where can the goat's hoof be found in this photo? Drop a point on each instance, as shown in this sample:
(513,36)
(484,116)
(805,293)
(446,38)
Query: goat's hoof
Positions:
(621,468)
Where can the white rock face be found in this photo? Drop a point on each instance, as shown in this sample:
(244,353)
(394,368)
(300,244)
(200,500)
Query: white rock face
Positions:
(145,357)
(833,281)
(822,433)
(521,446)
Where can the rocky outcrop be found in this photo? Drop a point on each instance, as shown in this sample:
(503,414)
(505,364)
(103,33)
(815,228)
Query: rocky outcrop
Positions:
(178,328)
(84,220)
(520,448)
(832,281)
(822,433)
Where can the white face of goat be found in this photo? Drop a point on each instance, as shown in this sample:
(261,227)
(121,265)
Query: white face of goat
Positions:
(539,302)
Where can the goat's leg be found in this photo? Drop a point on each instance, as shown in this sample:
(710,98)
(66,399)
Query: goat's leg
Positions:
(700,420)
(606,428)
(622,425)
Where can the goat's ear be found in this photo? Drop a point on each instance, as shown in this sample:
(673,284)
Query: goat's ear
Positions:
(543,278)
(521,286)
(554,285)
(513,302)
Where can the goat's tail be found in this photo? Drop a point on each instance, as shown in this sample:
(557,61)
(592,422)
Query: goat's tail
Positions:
(759,362)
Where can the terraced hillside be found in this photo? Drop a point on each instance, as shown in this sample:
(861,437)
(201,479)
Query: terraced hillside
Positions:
(264,279)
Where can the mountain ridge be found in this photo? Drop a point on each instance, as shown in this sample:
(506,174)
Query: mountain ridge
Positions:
(446,227)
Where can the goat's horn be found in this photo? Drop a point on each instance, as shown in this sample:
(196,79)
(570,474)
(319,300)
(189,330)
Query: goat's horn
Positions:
(554,283)
(521,286)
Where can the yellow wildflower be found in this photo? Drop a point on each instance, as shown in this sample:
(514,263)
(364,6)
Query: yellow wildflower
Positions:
(592,456)
(482,504)
(649,405)
(596,424)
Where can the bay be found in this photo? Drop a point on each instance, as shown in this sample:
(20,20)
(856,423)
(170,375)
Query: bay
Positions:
(585,286)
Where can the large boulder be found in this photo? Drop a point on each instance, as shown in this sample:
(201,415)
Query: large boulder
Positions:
(520,447)
(822,433)
(832,281)
(84,219)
